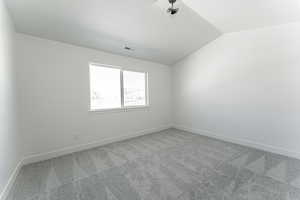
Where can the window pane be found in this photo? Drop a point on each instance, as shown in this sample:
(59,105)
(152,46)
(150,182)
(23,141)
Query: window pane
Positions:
(105,87)
(134,88)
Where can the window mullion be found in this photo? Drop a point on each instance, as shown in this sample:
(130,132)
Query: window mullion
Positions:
(122,88)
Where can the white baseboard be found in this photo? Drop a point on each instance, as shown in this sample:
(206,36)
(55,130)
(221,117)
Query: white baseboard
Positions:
(72,149)
(11,181)
(68,150)
(243,142)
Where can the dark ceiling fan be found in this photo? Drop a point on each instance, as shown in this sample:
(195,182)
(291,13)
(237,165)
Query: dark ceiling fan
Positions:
(172,10)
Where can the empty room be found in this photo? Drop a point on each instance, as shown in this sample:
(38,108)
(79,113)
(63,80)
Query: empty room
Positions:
(149,100)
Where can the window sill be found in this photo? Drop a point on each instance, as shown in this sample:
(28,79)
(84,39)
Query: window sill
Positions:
(118,110)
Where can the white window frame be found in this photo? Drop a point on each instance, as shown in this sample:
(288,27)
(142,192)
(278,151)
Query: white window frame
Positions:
(123,108)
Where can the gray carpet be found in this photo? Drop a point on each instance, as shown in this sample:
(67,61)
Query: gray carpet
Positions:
(163,166)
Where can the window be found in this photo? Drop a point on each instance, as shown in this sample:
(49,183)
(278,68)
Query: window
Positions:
(105,88)
(114,88)
(134,88)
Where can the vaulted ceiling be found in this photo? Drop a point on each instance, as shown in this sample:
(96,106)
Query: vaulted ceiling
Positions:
(110,25)
(144,25)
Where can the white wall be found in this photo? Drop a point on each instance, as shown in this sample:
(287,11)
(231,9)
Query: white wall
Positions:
(245,87)
(9,139)
(54,96)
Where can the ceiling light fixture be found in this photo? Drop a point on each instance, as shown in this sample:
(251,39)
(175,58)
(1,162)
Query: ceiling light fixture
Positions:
(172,10)
(128,48)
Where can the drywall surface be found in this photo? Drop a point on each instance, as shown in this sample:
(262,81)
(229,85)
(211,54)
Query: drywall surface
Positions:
(244,86)
(9,138)
(54,96)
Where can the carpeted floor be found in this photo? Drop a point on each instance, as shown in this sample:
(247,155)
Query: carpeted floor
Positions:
(162,166)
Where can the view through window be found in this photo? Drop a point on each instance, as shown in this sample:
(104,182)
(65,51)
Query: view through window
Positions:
(134,88)
(113,88)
